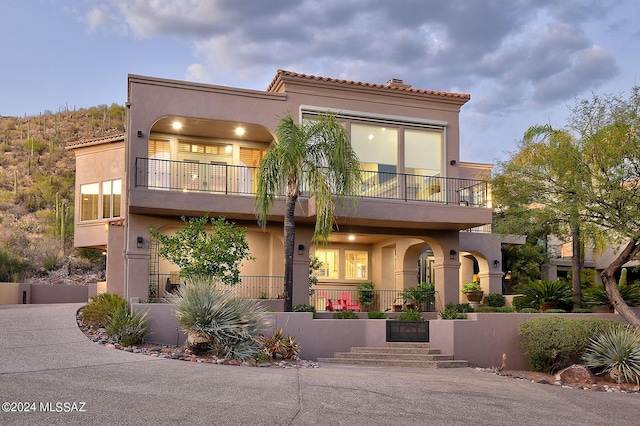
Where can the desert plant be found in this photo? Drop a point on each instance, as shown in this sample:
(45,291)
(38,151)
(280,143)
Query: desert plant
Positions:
(365,293)
(423,292)
(127,328)
(616,351)
(596,295)
(552,343)
(495,300)
(217,320)
(376,315)
(520,302)
(547,293)
(100,308)
(280,347)
(462,308)
(345,315)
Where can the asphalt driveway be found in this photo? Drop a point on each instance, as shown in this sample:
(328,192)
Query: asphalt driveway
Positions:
(48,366)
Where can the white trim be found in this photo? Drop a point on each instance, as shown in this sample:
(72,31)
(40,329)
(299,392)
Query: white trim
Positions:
(373,117)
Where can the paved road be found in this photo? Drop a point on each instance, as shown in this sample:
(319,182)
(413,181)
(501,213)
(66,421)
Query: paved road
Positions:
(45,359)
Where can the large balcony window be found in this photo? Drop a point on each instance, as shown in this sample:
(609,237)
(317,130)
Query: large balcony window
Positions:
(109,191)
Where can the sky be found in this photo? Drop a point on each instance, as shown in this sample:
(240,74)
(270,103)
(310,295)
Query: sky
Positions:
(524,62)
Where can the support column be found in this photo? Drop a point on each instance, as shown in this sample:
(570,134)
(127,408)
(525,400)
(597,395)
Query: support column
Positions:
(301,267)
(491,281)
(447,283)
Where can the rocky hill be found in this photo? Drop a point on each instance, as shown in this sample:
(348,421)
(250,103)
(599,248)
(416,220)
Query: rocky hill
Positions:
(37,176)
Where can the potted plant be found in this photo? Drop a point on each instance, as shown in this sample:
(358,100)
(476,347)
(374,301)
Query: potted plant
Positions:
(366,294)
(410,326)
(421,296)
(473,291)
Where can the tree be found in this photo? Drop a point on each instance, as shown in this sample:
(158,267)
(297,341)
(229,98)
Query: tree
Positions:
(200,254)
(318,154)
(538,189)
(595,182)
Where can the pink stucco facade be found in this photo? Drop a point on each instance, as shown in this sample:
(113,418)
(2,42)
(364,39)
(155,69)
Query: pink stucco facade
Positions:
(398,231)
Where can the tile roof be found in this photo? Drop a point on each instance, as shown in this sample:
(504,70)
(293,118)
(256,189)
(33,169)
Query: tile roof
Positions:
(403,88)
(95,141)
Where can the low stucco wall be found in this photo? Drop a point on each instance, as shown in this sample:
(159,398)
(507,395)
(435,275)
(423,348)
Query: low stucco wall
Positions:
(317,337)
(482,338)
(20,293)
(10,294)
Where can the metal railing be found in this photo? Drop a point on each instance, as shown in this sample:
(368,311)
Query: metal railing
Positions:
(251,286)
(382,300)
(222,178)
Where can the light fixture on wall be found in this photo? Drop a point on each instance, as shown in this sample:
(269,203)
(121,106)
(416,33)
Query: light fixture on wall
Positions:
(452,162)
(139,133)
(496,263)
(300,249)
(452,254)
(139,242)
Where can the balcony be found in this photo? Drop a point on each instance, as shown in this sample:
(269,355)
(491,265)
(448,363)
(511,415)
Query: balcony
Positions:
(220,178)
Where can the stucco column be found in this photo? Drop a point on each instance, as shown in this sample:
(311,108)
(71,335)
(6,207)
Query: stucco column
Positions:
(115,260)
(301,267)
(137,275)
(491,281)
(447,281)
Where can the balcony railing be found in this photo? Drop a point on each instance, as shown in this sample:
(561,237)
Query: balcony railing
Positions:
(220,178)
(382,300)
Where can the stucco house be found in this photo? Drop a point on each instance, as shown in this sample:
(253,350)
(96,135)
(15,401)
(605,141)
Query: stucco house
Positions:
(191,148)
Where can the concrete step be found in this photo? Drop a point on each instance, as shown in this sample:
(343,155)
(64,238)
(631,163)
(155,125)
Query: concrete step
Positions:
(395,363)
(407,345)
(396,350)
(392,356)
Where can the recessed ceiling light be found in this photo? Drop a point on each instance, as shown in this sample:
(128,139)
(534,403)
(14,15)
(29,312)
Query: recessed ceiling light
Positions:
(239,131)
(352,237)
(228,149)
(176,125)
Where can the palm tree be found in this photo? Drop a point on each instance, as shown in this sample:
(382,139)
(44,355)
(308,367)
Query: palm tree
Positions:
(317,153)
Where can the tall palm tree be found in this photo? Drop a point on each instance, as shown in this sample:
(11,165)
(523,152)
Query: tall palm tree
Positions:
(317,153)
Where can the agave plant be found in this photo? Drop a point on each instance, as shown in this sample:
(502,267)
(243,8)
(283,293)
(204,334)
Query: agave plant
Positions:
(616,351)
(548,294)
(217,320)
(127,328)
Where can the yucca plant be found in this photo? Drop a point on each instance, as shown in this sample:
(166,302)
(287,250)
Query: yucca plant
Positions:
(217,320)
(616,351)
(127,328)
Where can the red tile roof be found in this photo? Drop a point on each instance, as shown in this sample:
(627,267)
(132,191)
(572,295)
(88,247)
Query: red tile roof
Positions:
(95,141)
(403,88)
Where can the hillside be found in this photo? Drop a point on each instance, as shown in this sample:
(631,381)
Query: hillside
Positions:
(37,177)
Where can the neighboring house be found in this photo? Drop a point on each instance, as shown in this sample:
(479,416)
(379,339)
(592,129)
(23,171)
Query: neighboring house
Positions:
(190,148)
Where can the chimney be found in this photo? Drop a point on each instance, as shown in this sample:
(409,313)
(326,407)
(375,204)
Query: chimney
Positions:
(397,82)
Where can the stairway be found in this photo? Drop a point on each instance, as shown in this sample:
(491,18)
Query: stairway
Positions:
(398,354)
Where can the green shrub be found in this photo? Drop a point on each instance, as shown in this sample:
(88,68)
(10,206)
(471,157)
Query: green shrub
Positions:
(376,315)
(486,309)
(304,308)
(452,314)
(505,309)
(100,308)
(365,293)
(280,347)
(520,302)
(127,328)
(555,311)
(410,315)
(581,311)
(345,315)
(217,320)
(552,343)
(616,351)
(462,308)
(496,300)
(529,311)
(597,295)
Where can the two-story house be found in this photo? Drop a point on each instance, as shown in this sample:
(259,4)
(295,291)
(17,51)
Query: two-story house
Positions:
(191,149)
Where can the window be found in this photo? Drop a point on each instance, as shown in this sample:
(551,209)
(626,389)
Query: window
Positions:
(423,152)
(356,264)
(111,195)
(330,260)
(89,207)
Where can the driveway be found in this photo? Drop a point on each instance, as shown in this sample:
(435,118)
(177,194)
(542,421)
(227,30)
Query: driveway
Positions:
(48,365)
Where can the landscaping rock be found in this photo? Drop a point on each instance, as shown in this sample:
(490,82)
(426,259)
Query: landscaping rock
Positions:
(576,374)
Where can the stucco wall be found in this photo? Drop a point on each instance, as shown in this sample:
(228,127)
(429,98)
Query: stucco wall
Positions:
(16,293)
(10,294)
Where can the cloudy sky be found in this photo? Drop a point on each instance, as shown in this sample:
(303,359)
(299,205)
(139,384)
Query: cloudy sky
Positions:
(522,61)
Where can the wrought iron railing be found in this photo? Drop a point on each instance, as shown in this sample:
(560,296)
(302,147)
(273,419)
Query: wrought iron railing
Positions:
(251,286)
(355,300)
(222,178)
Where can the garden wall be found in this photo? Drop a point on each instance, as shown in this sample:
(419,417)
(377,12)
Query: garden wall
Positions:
(482,338)
(21,293)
